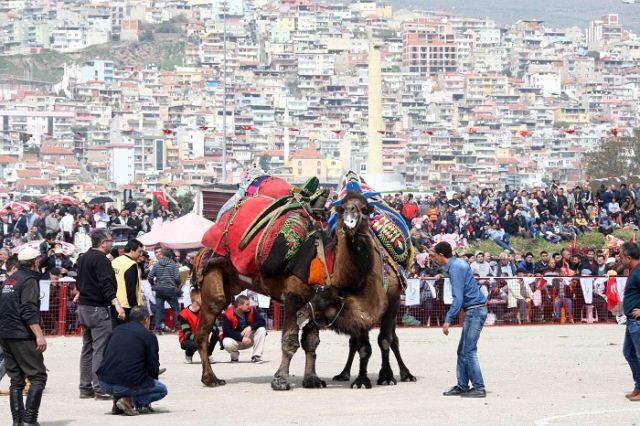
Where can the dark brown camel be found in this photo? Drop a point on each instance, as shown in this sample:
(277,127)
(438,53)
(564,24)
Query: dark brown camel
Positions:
(221,281)
(355,308)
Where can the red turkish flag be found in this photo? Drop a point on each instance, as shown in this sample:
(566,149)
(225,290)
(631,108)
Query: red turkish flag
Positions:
(472,130)
(541,283)
(162,200)
(381,132)
(428,132)
(167,131)
(613,297)
(247,127)
(203,128)
(570,131)
(337,131)
(293,129)
(614,132)
(524,133)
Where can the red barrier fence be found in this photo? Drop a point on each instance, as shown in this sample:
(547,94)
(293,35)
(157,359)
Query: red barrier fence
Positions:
(426,302)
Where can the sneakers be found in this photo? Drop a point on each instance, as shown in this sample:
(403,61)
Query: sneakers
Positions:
(455,391)
(116,411)
(101,395)
(126,406)
(475,393)
(145,409)
(87,394)
(256,359)
(188,359)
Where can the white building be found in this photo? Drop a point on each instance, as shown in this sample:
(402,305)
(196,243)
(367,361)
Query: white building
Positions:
(121,165)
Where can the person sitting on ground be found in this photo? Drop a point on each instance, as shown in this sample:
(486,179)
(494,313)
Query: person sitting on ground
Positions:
(188,321)
(131,366)
(243,327)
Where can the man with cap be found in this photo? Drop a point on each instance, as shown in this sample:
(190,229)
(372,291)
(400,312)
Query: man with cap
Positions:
(22,339)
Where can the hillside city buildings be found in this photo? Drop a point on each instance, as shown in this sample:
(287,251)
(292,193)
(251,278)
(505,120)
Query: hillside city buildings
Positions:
(465,103)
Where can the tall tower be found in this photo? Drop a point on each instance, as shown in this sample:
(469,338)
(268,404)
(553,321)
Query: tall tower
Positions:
(287,122)
(374,161)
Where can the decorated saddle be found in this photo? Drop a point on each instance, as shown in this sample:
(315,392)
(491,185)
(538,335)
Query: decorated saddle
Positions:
(262,227)
(385,223)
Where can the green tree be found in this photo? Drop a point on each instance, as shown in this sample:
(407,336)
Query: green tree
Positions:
(594,54)
(265,162)
(187,199)
(615,157)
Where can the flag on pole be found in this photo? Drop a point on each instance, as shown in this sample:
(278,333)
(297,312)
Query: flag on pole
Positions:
(613,297)
(162,200)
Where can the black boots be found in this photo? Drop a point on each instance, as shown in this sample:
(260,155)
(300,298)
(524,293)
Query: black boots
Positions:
(32,407)
(17,406)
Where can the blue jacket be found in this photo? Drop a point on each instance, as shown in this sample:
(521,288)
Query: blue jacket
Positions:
(130,357)
(464,287)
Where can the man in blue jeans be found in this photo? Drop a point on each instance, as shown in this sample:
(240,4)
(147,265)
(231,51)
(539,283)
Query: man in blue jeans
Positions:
(468,297)
(131,365)
(165,277)
(630,258)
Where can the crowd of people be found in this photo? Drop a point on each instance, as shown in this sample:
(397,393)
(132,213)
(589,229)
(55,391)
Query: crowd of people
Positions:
(554,214)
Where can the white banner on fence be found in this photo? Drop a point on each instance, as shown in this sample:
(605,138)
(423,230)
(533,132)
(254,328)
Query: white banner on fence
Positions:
(587,290)
(447,292)
(45,290)
(412,293)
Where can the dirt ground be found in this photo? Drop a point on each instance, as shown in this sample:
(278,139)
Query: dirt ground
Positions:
(534,375)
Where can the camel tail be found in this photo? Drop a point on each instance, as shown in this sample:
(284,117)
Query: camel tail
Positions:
(199,265)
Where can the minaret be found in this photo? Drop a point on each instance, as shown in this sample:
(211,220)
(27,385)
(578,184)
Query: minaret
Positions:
(286,133)
(374,161)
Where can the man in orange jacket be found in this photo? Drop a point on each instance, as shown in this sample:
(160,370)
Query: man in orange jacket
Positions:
(188,321)
(243,327)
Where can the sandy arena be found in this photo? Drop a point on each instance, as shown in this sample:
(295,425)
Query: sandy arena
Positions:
(534,375)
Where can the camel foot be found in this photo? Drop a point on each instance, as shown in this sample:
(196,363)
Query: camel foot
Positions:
(361,381)
(342,377)
(386,377)
(406,376)
(280,384)
(313,382)
(212,381)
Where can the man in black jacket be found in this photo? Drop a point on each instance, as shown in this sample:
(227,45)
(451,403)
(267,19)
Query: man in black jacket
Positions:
(97,286)
(22,339)
(131,365)
(243,327)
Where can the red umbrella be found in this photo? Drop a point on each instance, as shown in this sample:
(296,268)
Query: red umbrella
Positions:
(59,199)
(17,206)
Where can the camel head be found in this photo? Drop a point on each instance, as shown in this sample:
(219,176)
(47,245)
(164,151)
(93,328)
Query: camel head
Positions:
(323,309)
(354,214)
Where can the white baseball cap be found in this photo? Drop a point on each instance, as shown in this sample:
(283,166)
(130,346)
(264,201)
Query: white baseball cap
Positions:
(28,254)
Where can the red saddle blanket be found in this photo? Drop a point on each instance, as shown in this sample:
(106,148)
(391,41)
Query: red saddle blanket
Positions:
(282,241)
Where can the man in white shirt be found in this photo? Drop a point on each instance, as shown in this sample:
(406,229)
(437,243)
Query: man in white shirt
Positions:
(480,267)
(66,226)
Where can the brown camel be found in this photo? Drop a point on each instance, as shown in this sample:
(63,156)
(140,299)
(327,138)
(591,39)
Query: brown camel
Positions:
(355,309)
(221,281)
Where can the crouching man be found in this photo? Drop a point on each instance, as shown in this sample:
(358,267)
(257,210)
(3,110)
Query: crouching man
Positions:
(243,327)
(131,365)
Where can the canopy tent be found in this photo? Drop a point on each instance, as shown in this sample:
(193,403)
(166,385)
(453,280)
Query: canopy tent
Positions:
(183,233)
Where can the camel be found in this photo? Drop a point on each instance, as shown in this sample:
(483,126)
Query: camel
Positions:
(220,281)
(355,309)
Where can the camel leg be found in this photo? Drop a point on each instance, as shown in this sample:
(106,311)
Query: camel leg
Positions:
(310,341)
(290,342)
(405,374)
(213,301)
(346,371)
(385,340)
(364,350)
